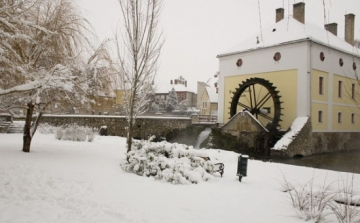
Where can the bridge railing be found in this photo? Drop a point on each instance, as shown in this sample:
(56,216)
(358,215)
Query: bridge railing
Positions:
(204,118)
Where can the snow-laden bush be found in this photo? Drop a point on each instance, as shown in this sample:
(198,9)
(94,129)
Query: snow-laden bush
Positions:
(45,128)
(316,203)
(75,133)
(174,163)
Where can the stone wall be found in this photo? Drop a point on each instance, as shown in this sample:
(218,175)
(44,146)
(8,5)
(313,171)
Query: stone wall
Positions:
(325,142)
(309,143)
(4,120)
(302,145)
(245,128)
(306,143)
(145,126)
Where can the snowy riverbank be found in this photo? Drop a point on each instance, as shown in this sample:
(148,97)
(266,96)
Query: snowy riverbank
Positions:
(64,181)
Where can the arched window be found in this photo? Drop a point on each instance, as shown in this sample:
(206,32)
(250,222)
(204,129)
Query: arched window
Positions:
(339,117)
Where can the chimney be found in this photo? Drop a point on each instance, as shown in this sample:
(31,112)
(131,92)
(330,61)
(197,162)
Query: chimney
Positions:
(349,28)
(279,14)
(332,27)
(299,12)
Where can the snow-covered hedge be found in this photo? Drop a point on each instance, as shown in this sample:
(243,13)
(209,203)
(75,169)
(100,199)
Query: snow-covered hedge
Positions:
(75,133)
(174,163)
(45,128)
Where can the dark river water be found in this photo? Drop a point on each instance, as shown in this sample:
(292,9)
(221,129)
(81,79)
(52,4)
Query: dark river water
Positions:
(340,161)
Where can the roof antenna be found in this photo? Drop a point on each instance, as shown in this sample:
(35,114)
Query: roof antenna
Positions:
(260,20)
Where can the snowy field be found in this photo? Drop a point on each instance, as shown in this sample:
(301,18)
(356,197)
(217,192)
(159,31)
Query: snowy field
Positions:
(64,181)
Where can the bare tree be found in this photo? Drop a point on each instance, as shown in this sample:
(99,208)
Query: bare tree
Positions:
(138,51)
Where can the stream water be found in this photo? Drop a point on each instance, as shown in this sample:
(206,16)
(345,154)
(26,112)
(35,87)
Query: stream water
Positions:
(339,161)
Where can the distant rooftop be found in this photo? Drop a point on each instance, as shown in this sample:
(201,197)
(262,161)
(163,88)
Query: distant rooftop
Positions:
(179,84)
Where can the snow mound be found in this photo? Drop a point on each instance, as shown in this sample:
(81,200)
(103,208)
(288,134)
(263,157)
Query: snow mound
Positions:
(174,163)
(295,128)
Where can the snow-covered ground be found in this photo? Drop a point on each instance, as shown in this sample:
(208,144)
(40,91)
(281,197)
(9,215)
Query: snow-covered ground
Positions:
(64,181)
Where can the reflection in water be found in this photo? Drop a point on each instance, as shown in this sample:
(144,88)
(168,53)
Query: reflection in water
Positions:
(339,161)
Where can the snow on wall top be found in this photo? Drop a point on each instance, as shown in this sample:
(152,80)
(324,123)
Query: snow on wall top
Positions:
(290,30)
(117,116)
(253,117)
(295,128)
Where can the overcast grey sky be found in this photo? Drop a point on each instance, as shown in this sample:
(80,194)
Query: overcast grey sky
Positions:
(196,31)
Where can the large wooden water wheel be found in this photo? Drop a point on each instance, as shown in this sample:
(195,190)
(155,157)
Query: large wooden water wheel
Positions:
(261,99)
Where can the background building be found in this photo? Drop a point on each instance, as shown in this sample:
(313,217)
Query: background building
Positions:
(181,89)
(207,98)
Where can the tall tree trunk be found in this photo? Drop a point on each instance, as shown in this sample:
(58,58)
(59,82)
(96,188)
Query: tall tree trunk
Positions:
(130,135)
(27,137)
(131,121)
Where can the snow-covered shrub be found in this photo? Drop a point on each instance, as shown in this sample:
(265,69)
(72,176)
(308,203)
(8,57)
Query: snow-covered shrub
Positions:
(75,133)
(174,163)
(59,134)
(317,202)
(346,203)
(90,135)
(45,128)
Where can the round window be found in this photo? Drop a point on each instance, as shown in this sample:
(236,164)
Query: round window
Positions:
(341,62)
(239,62)
(277,56)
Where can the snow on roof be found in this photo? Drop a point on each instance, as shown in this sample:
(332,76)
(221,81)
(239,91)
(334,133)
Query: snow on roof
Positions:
(290,30)
(249,114)
(295,128)
(213,96)
(166,88)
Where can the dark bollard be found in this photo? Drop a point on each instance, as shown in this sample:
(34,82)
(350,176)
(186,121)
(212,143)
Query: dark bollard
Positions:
(242,166)
(103,131)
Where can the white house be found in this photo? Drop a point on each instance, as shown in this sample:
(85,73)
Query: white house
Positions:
(291,70)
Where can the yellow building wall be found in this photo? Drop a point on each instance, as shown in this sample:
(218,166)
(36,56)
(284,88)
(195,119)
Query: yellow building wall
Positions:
(213,106)
(315,95)
(286,83)
(346,90)
(205,98)
(345,104)
(345,124)
(120,96)
(316,125)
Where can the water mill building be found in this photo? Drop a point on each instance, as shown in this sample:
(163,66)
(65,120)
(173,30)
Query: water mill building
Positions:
(295,76)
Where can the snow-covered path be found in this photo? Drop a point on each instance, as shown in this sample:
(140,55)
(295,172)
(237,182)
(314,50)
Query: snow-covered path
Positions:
(63,181)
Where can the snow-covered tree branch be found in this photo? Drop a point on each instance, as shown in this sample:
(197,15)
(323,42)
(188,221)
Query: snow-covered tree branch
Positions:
(43,46)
